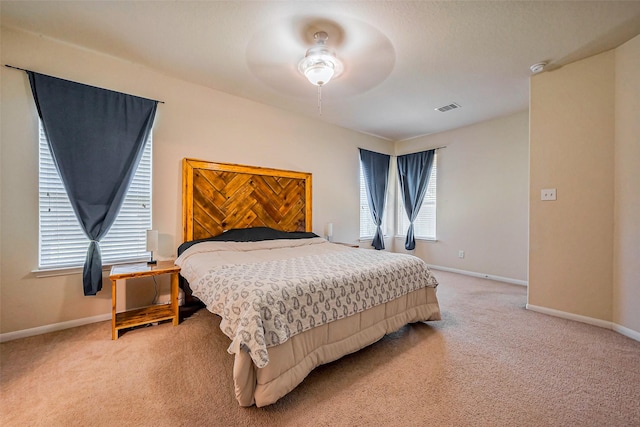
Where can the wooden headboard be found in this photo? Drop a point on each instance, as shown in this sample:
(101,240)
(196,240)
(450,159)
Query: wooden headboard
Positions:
(221,196)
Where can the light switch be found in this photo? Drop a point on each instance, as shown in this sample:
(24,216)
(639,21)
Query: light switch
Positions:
(548,194)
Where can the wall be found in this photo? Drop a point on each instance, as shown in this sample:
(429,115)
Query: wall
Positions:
(572,149)
(626,279)
(482,194)
(193,122)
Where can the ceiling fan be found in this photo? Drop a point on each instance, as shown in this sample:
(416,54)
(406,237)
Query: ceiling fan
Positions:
(295,51)
(320,64)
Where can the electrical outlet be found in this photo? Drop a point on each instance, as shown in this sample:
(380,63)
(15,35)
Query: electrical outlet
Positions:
(460,254)
(548,194)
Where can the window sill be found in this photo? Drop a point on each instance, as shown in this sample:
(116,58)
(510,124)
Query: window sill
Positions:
(69,271)
(368,239)
(425,239)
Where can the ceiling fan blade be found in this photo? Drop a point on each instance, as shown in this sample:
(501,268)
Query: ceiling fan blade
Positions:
(274,52)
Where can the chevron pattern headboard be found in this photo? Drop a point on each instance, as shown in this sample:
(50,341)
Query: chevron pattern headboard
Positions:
(221,196)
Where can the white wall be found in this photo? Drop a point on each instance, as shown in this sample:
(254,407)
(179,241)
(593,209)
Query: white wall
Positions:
(193,122)
(482,197)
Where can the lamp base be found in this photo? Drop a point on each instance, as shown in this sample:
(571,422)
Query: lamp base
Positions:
(151,260)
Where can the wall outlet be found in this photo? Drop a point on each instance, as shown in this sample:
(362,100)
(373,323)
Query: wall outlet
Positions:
(460,254)
(548,194)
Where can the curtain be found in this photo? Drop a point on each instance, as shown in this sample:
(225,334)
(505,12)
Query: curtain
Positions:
(414,171)
(375,167)
(96,137)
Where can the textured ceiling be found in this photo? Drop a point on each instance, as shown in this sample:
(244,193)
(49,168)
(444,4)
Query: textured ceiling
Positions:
(402,59)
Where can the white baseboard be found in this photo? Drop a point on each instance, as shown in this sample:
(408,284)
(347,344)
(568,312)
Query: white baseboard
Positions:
(570,316)
(481,275)
(549,311)
(634,335)
(53,327)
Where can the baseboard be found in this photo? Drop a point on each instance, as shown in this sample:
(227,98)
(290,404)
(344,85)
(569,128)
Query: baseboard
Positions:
(481,275)
(630,333)
(634,335)
(570,316)
(53,327)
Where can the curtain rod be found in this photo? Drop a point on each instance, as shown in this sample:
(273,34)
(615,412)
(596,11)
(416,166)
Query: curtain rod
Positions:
(414,152)
(437,148)
(22,69)
(395,155)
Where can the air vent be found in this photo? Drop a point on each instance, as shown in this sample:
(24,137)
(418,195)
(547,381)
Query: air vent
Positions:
(449,107)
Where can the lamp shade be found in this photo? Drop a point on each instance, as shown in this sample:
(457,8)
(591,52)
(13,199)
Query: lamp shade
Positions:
(152,240)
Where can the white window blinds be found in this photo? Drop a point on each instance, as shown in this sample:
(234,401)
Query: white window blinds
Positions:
(63,243)
(424,226)
(367,226)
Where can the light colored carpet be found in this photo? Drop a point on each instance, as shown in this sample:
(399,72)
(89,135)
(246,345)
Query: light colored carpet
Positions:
(489,362)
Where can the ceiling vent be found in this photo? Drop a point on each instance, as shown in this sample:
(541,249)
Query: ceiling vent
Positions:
(449,107)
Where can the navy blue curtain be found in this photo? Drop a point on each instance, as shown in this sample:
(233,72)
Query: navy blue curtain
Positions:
(375,167)
(96,137)
(414,171)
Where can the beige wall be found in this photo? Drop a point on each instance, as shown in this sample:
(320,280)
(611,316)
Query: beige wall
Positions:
(585,141)
(626,282)
(578,262)
(572,145)
(482,197)
(194,122)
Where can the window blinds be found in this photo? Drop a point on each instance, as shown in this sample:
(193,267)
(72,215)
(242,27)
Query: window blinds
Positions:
(424,226)
(63,244)
(367,226)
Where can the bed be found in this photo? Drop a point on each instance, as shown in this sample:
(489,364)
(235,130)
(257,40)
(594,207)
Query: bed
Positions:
(289,300)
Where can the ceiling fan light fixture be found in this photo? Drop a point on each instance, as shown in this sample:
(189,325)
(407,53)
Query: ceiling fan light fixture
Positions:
(317,71)
(320,64)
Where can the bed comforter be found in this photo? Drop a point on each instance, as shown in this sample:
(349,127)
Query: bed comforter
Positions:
(283,294)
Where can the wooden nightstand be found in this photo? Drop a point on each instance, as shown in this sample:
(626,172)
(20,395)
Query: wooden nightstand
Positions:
(142,316)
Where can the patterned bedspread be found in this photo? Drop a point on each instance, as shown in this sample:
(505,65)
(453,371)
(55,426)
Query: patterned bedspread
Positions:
(264,303)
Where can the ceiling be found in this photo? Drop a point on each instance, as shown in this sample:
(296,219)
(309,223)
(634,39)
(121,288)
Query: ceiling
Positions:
(402,59)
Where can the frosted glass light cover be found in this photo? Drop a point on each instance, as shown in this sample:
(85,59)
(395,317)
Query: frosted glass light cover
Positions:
(319,74)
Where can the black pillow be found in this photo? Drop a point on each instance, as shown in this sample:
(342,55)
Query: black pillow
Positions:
(254,234)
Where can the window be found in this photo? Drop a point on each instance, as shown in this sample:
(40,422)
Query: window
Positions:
(424,226)
(367,226)
(63,243)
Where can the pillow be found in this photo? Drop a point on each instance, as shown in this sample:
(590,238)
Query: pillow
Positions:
(254,234)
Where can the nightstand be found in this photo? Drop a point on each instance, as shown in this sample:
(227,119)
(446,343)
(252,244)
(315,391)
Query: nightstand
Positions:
(150,314)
